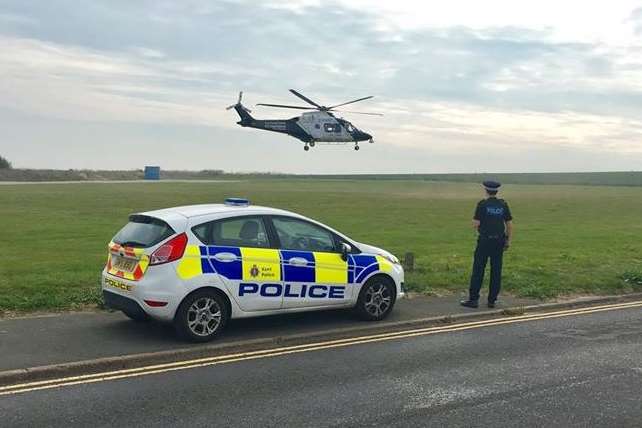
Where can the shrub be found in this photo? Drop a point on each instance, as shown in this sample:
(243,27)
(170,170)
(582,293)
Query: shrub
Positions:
(4,164)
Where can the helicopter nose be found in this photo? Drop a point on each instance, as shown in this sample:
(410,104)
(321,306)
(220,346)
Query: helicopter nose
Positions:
(364,136)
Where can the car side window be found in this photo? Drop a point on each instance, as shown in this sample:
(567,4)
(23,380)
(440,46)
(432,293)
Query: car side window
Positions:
(234,232)
(300,235)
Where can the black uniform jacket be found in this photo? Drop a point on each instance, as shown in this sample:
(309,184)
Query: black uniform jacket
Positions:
(492,214)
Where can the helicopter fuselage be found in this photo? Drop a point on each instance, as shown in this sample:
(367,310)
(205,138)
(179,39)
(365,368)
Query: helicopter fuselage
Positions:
(310,127)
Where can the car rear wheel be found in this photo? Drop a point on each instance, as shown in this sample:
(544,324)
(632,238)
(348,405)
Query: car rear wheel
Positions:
(376,299)
(201,316)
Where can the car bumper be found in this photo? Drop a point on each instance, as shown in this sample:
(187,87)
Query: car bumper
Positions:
(399,276)
(121,294)
(116,301)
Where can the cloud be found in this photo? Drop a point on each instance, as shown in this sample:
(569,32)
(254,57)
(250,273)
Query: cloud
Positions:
(458,87)
(12,19)
(636,20)
(78,83)
(148,53)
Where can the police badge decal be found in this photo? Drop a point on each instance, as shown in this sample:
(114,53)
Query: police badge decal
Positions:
(254,271)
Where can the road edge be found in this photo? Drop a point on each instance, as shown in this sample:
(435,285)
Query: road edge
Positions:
(131,361)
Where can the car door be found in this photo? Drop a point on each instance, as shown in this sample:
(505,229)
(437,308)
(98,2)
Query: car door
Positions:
(240,252)
(314,272)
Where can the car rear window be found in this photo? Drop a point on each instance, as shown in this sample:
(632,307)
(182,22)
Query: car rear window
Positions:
(143,231)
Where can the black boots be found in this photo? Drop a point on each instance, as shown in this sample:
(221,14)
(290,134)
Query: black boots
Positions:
(469,303)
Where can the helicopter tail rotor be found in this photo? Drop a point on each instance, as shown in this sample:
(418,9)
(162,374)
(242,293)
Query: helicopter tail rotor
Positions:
(242,111)
(238,104)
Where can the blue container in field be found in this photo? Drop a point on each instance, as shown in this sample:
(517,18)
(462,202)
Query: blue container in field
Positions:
(152,173)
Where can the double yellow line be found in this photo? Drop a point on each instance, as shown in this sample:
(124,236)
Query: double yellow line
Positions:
(231,358)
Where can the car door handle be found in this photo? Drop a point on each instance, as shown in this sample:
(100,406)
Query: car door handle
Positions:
(298,261)
(225,257)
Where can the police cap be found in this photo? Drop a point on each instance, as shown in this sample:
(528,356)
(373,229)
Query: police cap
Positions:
(491,185)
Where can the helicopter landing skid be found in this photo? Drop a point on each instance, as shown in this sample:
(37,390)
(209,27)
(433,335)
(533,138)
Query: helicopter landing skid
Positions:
(307,145)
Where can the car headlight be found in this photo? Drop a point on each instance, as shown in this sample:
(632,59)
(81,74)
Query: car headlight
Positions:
(392,259)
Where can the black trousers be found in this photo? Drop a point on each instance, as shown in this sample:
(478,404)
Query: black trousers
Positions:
(492,249)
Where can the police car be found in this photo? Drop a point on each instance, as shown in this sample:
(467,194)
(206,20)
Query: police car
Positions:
(198,266)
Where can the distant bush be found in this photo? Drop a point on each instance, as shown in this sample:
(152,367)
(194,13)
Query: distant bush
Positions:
(4,164)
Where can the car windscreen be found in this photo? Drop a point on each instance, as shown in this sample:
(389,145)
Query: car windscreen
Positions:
(143,231)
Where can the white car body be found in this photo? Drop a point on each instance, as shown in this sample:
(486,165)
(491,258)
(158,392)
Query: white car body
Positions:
(255,281)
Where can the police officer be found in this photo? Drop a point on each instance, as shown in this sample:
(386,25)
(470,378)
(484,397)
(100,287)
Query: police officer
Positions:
(493,222)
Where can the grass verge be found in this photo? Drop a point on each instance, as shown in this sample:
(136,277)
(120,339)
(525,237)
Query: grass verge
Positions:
(569,239)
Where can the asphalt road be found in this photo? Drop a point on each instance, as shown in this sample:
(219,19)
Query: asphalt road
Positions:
(581,370)
(71,337)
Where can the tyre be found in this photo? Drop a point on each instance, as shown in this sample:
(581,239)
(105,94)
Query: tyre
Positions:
(138,316)
(201,316)
(376,299)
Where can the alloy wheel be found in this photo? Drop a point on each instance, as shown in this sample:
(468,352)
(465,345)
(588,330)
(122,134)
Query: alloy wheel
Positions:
(204,316)
(377,299)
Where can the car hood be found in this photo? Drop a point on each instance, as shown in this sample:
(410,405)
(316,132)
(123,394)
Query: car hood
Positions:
(373,250)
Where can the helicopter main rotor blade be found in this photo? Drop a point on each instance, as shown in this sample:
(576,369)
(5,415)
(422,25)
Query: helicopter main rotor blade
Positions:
(307,100)
(284,106)
(350,102)
(359,112)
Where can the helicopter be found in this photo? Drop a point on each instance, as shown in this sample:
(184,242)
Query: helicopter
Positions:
(317,126)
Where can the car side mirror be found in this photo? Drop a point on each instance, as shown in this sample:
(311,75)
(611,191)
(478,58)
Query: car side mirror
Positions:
(345,250)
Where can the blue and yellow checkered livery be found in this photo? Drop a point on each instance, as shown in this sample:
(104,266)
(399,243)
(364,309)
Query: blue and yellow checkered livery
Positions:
(265,264)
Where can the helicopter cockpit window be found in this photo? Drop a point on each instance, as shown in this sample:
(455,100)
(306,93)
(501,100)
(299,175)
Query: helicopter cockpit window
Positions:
(349,127)
(331,127)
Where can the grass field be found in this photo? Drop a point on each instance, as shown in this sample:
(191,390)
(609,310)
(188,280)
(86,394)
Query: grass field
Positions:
(614,178)
(569,239)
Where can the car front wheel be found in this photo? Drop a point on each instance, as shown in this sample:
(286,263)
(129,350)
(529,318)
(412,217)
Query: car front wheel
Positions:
(201,316)
(376,299)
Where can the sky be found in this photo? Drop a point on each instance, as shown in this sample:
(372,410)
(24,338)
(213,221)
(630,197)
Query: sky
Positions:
(464,86)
